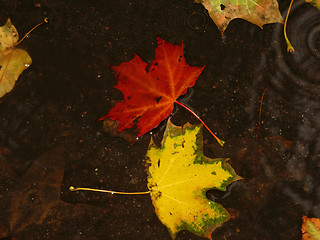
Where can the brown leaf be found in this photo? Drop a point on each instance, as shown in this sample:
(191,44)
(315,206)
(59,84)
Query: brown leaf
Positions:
(32,202)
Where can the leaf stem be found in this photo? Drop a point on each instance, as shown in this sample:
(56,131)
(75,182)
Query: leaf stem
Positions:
(221,142)
(73,189)
(290,48)
(46,20)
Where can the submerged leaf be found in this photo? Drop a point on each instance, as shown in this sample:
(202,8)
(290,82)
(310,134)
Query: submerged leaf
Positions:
(31,205)
(179,176)
(13,61)
(259,12)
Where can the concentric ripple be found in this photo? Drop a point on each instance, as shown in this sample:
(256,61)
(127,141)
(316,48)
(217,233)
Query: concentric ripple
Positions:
(301,68)
(196,20)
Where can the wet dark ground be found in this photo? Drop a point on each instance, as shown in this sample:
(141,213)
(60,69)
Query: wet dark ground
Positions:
(50,139)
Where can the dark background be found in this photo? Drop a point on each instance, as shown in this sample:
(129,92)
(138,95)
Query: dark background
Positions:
(50,138)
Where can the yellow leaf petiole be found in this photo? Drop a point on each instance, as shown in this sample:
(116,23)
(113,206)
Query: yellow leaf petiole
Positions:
(46,20)
(73,189)
(290,48)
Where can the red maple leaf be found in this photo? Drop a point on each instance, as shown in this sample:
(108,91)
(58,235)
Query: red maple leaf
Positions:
(150,91)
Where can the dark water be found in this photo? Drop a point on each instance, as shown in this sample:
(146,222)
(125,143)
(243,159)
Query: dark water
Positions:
(50,139)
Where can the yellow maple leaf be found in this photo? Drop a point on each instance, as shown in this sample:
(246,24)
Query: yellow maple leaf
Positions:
(179,176)
(13,61)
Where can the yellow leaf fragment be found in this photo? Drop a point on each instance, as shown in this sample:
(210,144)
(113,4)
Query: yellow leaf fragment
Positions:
(315,3)
(13,61)
(310,228)
(179,176)
(259,12)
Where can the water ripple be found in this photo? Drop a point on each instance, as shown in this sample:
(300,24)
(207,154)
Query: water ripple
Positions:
(301,68)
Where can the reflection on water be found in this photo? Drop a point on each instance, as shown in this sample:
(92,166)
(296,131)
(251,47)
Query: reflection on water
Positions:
(291,106)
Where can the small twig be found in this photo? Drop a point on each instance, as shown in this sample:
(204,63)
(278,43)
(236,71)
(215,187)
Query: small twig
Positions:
(260,111)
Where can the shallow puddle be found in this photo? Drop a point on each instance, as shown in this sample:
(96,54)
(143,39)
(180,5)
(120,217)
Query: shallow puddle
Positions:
(50,138)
